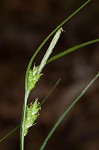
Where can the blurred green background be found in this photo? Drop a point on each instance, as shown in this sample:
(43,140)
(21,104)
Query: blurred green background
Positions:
(23,26)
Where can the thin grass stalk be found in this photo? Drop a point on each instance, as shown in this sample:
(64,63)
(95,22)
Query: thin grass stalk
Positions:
(66,112)
(63,53)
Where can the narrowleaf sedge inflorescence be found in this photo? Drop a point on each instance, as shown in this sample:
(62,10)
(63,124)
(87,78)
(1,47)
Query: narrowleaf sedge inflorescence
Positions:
(33,77)
(32,112)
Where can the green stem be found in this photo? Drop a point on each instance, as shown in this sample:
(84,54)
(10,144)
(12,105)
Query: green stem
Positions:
(59,55)
(23,121)
(66,112)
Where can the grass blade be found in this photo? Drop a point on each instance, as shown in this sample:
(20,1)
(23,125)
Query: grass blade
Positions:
(66,112)
(53,88)
(63,53)
(11,132)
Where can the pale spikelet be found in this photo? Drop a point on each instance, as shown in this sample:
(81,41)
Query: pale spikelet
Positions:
(33,77)
(32,112)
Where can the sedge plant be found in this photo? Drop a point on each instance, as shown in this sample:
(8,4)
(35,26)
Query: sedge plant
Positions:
(34,73)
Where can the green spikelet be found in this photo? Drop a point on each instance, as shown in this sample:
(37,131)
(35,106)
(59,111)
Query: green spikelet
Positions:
(32,112)
(33,77)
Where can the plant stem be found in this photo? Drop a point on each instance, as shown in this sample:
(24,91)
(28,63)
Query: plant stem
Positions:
(23,121)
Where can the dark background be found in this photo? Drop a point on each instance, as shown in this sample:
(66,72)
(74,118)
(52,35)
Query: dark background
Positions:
(23,26)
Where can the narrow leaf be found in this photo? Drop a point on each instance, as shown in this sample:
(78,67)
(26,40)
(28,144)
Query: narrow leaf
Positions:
(63,53)
(66,112)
